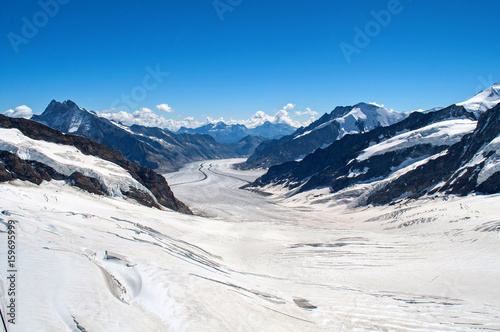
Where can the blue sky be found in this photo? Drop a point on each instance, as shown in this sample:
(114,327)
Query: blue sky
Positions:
(246,56)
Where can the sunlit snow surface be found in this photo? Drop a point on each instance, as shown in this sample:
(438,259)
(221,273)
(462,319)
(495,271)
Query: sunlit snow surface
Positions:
(67,159)
(484,100)
(254,263)
(441,133)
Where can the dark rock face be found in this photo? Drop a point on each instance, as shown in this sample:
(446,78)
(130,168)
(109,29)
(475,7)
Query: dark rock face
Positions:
(332,166)
(150,147)
(15,168)
(89,184)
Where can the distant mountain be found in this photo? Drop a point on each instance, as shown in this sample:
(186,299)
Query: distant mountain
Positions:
(446,151)
(30,151)
(484,100)
(270,130)
(246,146)
(154,148)
(321,133)
(231,133)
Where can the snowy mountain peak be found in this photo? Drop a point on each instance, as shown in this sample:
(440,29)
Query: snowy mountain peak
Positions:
(358,118)
(66,116)
(378,115)
(484,100)
(343,120)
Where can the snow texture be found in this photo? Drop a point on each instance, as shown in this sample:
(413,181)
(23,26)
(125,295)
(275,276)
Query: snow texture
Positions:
(445,133)
(253,263)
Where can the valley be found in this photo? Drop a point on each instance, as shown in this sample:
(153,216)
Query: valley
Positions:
(247,166)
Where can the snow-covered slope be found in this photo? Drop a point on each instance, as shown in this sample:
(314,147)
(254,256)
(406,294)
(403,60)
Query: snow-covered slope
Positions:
(489,156)
(365,117)
(66,159)
(484,100)
(388,159)
(33,152)
(437,134)
(361,117)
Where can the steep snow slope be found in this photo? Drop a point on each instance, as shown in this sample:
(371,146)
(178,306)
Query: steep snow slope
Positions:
(490,156)
(103,264)
(33,152)
(437,134)
(365,117)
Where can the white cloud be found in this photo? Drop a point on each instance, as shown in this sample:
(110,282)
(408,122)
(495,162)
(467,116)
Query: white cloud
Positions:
(308,111)
(375,104)
(22,111)
(212,120)
(282,116)
(146,117)
(146,110)
(165,108)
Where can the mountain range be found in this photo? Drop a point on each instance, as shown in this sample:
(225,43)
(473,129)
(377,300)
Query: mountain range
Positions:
(330,127)
(231,133)
(450,150)
(366,152)
(154,148)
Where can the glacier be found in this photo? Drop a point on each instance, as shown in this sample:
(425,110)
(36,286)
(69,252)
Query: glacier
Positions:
(249,262)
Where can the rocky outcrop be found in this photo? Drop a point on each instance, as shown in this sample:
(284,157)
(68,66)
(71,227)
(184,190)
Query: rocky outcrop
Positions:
(15,168)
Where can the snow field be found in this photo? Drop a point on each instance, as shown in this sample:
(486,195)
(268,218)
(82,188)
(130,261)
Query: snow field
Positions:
(258,263)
